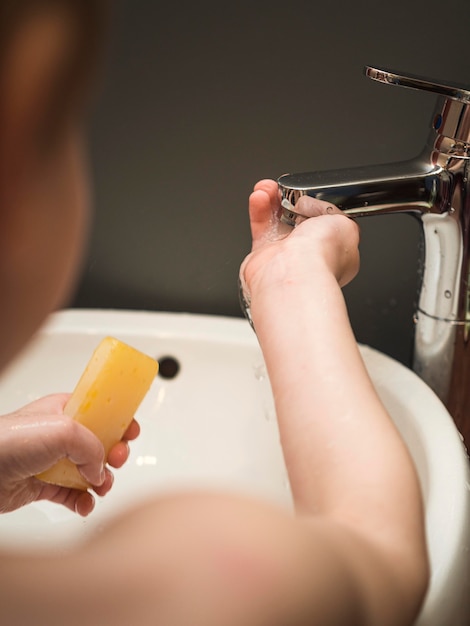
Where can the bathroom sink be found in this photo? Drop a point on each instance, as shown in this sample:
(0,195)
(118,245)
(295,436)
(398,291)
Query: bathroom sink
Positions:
(209,420)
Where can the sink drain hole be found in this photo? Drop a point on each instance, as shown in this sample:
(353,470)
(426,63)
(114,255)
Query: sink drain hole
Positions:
(168,367)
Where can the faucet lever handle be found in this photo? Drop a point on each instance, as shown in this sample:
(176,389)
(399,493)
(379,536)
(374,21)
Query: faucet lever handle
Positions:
(452,117)
(392,77)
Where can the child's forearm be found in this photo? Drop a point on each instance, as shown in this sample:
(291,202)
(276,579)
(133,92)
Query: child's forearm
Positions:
(343,453)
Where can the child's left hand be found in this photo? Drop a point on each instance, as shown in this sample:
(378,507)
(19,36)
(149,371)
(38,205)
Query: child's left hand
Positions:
(35,437)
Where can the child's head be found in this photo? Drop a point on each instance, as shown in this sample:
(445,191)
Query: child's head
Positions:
(48,52)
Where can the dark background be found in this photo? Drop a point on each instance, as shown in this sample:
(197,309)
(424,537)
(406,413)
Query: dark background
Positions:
(199,100)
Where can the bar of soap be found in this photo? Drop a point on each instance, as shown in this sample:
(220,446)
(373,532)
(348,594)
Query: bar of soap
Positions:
(105,400)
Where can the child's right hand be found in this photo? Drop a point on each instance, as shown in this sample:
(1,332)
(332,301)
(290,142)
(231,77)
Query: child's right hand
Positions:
(280,253)
(35,437)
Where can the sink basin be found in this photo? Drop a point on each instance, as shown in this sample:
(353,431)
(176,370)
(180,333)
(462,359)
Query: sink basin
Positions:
(210,422)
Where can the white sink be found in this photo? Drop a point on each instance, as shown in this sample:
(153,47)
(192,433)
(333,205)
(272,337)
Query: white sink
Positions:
(213,424)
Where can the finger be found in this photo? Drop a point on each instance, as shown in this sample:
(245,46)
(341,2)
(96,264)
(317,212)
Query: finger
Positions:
(103,489)
(118,454)
(313,207)
(81,502)
(133,431)
(260,215)
(272,189)
(84,503)
(42,440)
(84,449)
(68,438)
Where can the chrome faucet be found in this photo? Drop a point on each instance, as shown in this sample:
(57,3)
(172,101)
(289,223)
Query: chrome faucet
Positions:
(435,187)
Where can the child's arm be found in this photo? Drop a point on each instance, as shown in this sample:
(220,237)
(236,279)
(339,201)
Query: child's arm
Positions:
(352,555)
(346,461)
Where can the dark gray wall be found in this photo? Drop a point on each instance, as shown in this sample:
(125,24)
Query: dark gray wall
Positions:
(201,99)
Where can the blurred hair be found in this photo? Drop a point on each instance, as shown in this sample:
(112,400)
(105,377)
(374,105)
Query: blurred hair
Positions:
(87,20)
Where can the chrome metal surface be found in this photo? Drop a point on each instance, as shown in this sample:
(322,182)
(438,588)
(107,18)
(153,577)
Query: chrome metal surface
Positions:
(434,186)
(392,77)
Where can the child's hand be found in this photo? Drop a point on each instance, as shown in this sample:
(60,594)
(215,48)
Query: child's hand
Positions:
(280,253)
(35,437)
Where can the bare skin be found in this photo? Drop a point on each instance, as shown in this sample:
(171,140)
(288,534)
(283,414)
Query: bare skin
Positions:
(353,551)
(35,437)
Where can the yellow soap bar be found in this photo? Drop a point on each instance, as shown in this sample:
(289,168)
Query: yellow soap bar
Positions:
(105,400)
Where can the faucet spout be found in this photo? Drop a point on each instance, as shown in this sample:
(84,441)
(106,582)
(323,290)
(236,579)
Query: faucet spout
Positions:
(405,187)
(435,188)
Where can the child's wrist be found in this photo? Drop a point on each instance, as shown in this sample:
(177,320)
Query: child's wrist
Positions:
(299,279)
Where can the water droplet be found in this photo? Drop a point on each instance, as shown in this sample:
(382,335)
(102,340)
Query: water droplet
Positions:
(260,371)
(268,415)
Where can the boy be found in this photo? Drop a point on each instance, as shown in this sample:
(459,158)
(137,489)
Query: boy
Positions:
(354,550)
